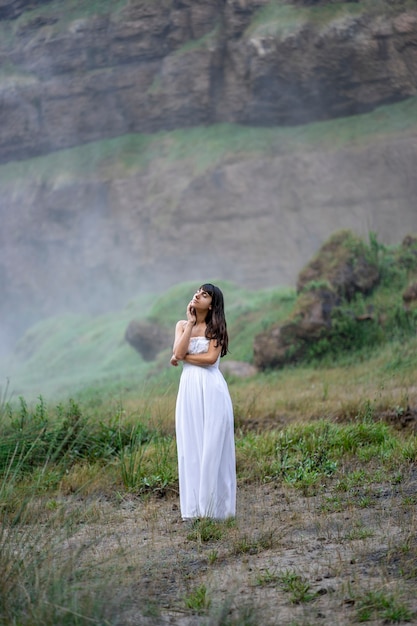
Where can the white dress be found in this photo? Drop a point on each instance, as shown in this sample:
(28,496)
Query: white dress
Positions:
(205,440)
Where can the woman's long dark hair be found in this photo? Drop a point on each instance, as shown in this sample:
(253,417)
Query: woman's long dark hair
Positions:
(216,319)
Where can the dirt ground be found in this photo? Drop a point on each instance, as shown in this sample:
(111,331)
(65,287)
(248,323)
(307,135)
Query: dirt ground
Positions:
(338,546)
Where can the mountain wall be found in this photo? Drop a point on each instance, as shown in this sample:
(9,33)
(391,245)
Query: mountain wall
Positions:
(159,64)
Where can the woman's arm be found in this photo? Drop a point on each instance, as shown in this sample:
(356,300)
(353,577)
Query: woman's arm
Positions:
(182,339)
(204,358)
(183,334)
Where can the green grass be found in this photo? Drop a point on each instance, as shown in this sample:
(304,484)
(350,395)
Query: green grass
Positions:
(74,351)
(54,439)
(247,543)
(386,318)
(297,587)
(83,161)
(197,44)
(308,457)
(383,605)
(198,600)
(206,529)
(279,19)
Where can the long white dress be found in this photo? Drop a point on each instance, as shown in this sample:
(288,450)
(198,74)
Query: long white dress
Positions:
(205,440)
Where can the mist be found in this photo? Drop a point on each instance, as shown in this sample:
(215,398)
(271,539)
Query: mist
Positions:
(130,164)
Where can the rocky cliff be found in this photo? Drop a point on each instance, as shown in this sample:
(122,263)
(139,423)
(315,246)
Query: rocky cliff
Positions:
(71,75)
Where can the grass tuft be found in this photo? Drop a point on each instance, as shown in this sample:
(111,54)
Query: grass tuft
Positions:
(378,604)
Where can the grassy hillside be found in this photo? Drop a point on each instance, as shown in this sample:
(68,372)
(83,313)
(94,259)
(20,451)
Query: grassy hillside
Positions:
(67,354)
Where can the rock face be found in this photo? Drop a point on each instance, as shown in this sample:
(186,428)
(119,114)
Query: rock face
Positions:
(340,269)
(163,65)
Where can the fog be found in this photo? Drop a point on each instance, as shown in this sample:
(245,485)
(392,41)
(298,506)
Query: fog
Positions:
(87,231)
(87,243)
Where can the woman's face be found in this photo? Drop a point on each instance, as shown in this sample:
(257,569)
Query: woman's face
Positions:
(202,300)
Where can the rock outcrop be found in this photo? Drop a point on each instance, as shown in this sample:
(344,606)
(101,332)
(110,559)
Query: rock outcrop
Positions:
(342,261)
(341,268)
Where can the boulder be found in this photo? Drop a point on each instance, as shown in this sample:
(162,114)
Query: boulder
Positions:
(409,241)
(148,338)
(240,369)
(407,255)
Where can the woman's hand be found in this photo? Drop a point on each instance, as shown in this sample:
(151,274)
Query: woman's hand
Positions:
(174,360)
(191,314)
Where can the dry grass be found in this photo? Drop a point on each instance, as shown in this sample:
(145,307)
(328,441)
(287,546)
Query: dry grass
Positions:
(302,393)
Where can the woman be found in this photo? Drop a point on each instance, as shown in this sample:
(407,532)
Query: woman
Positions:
(204,412)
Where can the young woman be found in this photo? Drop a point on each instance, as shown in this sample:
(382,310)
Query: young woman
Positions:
(204,412)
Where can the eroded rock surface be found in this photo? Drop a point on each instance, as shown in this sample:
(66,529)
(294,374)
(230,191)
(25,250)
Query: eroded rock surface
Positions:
(163,65)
